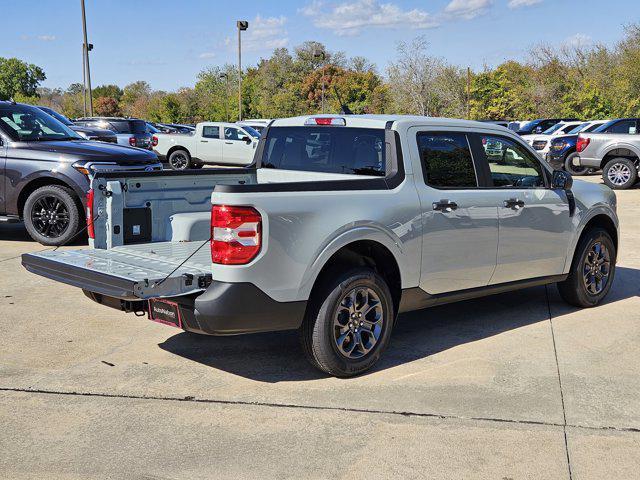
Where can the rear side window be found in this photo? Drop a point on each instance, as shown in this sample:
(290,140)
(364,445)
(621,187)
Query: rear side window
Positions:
(625,126)
(211,132)
(128,126)
(446,160)
(359,151)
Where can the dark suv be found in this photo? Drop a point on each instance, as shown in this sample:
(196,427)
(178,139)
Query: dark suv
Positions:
(97,134)
(542,124)
(45,171)
(129,131)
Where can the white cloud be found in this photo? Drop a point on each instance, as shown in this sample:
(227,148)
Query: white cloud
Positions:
(46,38)
(578,40)
(265,34)
(468,9)
(207,55)
(522,3)
(350,18)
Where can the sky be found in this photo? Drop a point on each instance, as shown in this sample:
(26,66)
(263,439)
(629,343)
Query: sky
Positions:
(168,42)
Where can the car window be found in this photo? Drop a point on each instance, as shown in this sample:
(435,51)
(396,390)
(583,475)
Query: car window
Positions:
(580,128)
(358,151)
(554,128)
(211,132)
(446,160)
(231,133)
(624,126)
(593,127)
(546,124)
(511,165)
(567,128)
(26,123)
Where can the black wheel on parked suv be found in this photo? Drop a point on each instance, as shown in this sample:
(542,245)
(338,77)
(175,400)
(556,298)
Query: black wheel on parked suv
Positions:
(572,168)
(620,173)
(592,270)
(348,323)
(52,215)
(180,160)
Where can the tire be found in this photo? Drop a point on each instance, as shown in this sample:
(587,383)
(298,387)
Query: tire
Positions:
(574,169)
(620,173)
(52,215)
(180,160)
(574,289)
(332,302)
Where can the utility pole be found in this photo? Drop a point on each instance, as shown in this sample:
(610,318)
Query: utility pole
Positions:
(468,93)
(317,53)
(86,48)
(242,25)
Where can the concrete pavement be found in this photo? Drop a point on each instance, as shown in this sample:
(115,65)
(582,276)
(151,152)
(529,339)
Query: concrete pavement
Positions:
(469,390)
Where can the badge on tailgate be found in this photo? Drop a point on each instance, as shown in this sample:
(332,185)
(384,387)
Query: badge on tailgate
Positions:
(165,311)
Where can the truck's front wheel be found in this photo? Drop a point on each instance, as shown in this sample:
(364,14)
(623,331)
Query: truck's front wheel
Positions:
(180,160)
(348,324)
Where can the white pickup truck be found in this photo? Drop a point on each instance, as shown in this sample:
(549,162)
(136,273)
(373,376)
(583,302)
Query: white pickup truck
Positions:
(341,223)
(215,143)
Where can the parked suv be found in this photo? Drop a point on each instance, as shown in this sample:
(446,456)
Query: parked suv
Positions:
(562,149)
(343,222)
(46,169)
(129,131)
(97,134)
(542,124)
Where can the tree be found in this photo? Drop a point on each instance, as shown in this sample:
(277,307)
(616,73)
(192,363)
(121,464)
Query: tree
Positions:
(112,91)
(18,77)
(106,107)
(135,99)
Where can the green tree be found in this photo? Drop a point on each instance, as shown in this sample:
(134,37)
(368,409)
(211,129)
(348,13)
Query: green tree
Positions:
(106,107)
(112,91)
(18,77)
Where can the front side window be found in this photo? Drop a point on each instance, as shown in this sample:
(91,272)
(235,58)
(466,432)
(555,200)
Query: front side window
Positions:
(27,123)
(357,151)
(211,132)
(231,133)
(511,165)
(446,160)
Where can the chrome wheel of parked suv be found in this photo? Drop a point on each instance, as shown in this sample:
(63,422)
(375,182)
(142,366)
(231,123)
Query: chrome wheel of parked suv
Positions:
(592,270)
(52,215)
(179,160)
(620,173)
(348,322)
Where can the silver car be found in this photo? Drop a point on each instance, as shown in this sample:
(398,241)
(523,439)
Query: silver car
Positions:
(129,131)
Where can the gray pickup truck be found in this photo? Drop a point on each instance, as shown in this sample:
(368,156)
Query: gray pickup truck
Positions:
(341,223)
(613,148)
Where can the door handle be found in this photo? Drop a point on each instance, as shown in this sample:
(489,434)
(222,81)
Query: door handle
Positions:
(445,206)
(513,203)
(204,141)
(229,143)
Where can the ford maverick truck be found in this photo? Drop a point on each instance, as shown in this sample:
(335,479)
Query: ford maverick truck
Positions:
(340,224)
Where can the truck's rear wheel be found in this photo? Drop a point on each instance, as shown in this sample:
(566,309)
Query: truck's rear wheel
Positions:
(52,215)
(620,173)
(592,270)
(180,160)
(348,324)
(572,168)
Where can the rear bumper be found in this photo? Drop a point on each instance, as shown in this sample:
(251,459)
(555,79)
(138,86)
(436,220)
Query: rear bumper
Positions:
(588,162)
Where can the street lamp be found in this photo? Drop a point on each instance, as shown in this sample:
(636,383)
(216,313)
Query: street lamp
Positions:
(86,71)
(242,25)
(318,53)
(226,98)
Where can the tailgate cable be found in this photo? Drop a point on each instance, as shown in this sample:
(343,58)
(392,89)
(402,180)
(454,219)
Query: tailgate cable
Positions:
(157,284)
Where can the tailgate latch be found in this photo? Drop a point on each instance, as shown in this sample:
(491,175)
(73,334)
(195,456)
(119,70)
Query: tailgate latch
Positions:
(205,280)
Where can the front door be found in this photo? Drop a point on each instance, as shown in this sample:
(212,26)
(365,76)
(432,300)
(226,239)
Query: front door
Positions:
(236,150)
(3,176)
(535,222)
(460,226)
(209,148)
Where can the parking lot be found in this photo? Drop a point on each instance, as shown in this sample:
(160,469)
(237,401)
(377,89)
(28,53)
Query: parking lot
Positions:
(513,386)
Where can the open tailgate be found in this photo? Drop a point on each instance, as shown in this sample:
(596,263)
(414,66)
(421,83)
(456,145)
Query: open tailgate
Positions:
(129,272)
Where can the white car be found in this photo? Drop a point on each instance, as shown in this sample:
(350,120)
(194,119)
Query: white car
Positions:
(216,143)
(542,142)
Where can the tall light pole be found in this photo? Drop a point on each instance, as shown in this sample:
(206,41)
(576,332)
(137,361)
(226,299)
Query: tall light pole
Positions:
(226,90)
(86,48)
(318,53)
(242,25)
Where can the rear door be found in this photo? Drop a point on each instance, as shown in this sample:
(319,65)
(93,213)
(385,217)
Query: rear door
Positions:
(535,222)
(460,224)
(236,150)
(209,144)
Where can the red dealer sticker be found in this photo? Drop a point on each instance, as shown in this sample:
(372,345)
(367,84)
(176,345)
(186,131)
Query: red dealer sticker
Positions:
(165,311)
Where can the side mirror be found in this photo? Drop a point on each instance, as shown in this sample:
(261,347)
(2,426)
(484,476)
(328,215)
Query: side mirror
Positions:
(561,180)
(247,140)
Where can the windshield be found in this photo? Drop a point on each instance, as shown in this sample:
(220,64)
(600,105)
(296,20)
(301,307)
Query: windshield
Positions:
(152,129)
(26,123)
(359,151)
(530,125)
(556,127)
(578,128)
(251,131)
(58,116)
(594,127)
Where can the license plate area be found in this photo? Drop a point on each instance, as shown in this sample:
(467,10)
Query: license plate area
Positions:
(165,312)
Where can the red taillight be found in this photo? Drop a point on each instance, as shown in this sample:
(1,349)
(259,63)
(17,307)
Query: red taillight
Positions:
(335,121)
(582,143)
(91,232)
(132,141)
(154,141)
(236,234)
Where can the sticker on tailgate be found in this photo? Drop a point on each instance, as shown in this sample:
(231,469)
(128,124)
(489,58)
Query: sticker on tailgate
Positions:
(165,311)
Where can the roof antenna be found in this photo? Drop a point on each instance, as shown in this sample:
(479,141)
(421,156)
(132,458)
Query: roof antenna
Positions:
(344,110)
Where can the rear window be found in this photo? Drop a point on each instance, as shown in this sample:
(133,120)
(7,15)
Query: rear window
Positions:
(359,151)
(128,126)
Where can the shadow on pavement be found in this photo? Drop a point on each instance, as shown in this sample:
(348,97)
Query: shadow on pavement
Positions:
(278,357)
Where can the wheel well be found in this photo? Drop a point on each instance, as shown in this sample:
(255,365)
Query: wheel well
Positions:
(617,153)
(604,222)
(177,147)
(365,253)
(32,186)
